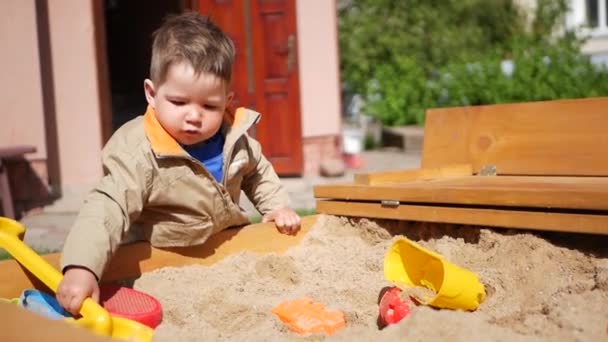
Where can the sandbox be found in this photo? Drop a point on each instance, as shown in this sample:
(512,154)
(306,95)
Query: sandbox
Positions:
(540,286)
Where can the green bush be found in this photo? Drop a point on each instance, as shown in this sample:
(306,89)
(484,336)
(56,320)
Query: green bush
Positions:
(405,56)
(540,73)
(302,212)
(4,254)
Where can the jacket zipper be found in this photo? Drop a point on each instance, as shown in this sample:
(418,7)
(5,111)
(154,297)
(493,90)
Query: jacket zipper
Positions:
(215,183)
(227,157)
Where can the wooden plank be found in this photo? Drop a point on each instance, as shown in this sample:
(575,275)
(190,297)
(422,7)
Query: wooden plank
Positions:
(561,138)
(132,260)
(584,193)
(8,152)
(20,325)
(450,171)
(561,222)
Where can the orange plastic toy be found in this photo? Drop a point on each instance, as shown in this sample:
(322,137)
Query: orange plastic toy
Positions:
(304,316)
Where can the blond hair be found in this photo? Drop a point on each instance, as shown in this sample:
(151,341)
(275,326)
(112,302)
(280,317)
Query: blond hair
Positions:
(195,39)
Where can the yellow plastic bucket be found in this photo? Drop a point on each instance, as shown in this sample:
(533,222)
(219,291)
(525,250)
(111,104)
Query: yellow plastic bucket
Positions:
(408,264)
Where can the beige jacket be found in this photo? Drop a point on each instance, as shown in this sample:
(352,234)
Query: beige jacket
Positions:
(153,190)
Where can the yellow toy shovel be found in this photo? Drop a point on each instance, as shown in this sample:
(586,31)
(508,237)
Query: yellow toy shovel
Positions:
(94,317)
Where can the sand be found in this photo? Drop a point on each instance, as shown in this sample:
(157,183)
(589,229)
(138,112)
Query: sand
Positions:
(540,286)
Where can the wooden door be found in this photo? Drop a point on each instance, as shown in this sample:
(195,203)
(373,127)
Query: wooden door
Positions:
(230,16)
(265,76)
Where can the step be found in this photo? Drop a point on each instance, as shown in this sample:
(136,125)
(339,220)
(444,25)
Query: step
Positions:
(407,138)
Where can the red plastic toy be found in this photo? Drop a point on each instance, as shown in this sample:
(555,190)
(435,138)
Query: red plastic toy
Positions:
(392,308)
(131,304)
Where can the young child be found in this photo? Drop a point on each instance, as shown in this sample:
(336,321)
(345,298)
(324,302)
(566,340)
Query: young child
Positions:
(174,175)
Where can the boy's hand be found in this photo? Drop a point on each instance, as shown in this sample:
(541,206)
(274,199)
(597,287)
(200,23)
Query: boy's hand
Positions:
(286,220)
(77,284)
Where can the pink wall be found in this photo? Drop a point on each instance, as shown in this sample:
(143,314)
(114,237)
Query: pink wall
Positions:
(51,93)
(319,67)
(77,101)
(22,120)
(66,91)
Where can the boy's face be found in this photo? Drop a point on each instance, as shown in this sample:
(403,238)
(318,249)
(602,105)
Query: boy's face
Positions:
(190,107)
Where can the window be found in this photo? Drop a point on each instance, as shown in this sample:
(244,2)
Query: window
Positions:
(595,16)
(590,15)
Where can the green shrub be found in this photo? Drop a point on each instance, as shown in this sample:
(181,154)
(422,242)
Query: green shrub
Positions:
(405,56)
(4,254)
(540,73)
(302,212)
(398,100)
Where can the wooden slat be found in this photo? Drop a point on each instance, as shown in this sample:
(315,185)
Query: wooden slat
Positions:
(577,223)
(566,137)
(132,260)
(451,171)
(589,193)
(16,151)
(20,325)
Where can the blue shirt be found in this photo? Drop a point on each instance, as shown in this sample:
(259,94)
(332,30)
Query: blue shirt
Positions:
(210,153)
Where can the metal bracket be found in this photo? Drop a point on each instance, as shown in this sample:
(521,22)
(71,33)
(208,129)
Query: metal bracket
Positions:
(488,170)
(389,203)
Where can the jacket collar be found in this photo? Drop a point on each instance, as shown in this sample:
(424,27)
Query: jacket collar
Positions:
(236,123)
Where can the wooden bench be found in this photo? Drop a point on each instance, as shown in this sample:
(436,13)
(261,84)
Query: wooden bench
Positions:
(537,165)
(8,153)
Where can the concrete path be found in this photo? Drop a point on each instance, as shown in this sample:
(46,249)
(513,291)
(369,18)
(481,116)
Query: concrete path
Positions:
(46,230)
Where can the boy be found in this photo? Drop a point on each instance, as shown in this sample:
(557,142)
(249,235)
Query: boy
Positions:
(173,176)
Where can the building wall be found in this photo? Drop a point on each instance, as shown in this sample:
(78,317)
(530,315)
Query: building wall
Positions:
(22,120)
(77,93)
(597,44)
(597,47)
(319,67)
(53,71)
(320,97)
(51,97)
